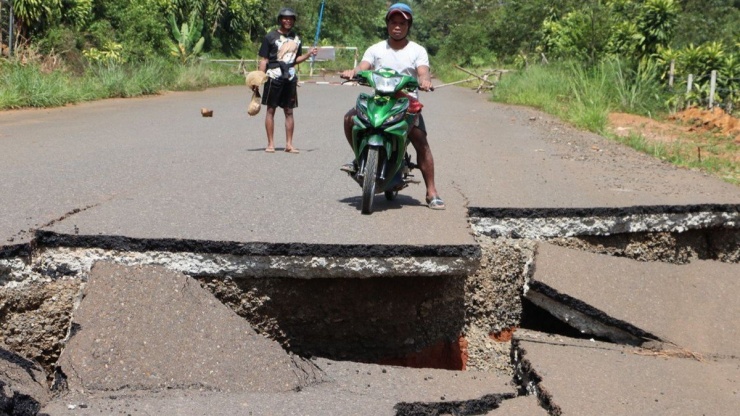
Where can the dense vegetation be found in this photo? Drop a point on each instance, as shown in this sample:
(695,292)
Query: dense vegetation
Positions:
(610,54)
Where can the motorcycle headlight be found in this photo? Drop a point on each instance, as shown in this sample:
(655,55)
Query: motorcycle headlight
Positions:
(363,117)
(395,119)
(361,109)
(384,84)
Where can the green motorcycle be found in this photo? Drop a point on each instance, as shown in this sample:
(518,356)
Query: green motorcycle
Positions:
(380,134)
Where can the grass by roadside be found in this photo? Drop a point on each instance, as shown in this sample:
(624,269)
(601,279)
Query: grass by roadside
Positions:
(36,85)
(587,97)
(711,151)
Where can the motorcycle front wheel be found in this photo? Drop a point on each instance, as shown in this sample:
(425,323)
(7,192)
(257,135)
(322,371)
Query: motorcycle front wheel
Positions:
(368,182)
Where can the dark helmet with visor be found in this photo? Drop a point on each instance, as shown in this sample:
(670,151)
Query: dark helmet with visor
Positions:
(286,12)
(402,9)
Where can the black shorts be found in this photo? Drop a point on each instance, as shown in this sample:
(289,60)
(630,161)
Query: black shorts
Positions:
(280,93)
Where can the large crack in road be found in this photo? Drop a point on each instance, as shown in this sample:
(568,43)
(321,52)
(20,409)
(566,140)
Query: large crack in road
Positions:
(313,299)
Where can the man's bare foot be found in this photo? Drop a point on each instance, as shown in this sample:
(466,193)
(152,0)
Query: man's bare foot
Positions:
(270,149)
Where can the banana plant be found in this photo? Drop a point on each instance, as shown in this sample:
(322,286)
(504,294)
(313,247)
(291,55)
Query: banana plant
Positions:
(188,42)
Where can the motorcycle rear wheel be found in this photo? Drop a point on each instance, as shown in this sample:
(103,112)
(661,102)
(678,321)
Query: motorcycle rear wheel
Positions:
(368,182)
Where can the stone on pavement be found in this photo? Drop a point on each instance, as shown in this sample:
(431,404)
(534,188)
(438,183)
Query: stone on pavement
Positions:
(584,377)
(148,328)
(693,306)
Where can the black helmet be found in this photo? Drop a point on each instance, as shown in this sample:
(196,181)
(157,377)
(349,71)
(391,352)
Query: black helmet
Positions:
(286,12)
(402,9)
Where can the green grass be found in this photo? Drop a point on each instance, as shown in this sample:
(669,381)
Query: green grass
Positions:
(29,85)
(582,95)
(715,155)
(585,97)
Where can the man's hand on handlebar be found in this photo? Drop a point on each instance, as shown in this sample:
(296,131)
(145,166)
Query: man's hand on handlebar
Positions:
(426,85)
(348,74)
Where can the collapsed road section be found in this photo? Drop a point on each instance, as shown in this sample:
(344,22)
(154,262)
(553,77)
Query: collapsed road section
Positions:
(634,285)
(645,300)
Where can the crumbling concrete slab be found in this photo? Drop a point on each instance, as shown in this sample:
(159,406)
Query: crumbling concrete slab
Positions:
(147,328)
(693,306)
(583,377)
(23,388)
(349,388)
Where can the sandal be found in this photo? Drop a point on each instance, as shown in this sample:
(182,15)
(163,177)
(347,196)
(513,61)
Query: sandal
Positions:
(349,168)
(435,202)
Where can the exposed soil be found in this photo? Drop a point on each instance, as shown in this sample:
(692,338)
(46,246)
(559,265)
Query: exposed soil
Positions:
(693,124)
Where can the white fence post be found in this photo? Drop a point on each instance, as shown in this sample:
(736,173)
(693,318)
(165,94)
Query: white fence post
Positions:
(712,88)
(689,84)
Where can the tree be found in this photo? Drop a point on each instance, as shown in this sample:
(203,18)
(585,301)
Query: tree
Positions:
(582,34)
(188,43)
(703,21)
(656,22)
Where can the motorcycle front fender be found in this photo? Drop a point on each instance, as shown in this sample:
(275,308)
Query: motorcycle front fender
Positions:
(375,140)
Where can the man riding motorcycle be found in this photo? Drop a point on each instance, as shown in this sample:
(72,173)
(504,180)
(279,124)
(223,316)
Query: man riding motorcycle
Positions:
(407,57)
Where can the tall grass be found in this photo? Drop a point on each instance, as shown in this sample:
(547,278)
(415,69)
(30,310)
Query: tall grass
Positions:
(584,95)
(27,86)
(30,85)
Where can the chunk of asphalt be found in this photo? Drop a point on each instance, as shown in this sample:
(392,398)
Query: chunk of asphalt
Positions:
(693,306)
(148,328)
(349,388)
(22,384)
(582,377)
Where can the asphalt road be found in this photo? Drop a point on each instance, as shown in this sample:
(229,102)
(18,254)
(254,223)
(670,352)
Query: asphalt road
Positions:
(154,168)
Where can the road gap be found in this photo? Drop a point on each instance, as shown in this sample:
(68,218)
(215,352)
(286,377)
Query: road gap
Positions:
(394,309)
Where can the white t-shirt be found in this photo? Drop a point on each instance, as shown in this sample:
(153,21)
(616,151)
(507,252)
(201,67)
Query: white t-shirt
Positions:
(405,60)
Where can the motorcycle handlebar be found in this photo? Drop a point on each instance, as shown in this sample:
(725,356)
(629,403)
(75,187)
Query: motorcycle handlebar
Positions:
(362,81)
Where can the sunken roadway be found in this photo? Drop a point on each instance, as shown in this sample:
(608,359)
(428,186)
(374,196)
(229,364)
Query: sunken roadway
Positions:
(151,175)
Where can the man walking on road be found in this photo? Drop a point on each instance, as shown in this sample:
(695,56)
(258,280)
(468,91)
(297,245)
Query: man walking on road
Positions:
(279,53)
(410,58)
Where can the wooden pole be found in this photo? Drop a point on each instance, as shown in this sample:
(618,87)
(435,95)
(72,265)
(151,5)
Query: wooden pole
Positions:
(484,79)
(689,84)
(712,88)
(672,73)
(11,23)
(456,82)
(11,20)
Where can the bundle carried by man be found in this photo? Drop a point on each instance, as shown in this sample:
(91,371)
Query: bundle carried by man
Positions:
(254,80)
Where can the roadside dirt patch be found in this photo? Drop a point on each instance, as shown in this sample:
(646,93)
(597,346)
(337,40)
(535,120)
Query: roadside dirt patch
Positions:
(689,124)
(623,124)
(708,140)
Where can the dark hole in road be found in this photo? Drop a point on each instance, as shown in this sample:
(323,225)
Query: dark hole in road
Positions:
(406,321)
(537,319)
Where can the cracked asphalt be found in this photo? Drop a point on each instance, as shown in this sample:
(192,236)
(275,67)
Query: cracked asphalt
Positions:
(153,169)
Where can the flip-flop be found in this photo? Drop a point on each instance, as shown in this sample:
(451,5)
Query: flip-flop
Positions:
(295,151)
(435,202)
(269,150)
